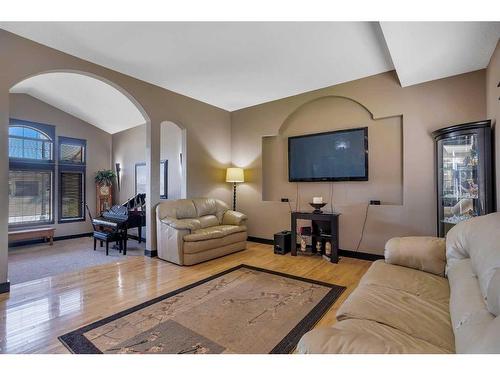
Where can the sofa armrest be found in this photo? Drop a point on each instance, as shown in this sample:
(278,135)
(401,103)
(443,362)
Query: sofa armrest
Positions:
(233,218)
(421,253)
(184,224)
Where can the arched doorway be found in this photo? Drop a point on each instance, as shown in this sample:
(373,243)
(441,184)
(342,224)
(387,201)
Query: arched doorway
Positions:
(93,100)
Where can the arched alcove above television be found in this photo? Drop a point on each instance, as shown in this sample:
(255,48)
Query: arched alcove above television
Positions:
(330,113)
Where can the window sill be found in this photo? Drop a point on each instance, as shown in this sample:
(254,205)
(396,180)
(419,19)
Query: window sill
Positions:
(31,225)
(64,221)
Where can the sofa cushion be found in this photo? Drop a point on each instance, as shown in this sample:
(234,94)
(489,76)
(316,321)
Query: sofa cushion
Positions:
(205,206)
(189,224)
(422,253)
(456,245)
(421,318)
(469,315)
(354,336)
(419,283)
(213,252)
(218,231)
(493,294)
(208,221)
(195,247)
(490,342)
(176,209)
(479,239)
(234,218)
(415,310)
(184,209)
(483,240)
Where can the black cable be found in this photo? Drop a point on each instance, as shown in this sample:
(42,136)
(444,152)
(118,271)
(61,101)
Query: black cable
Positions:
(364,225)
(331,196)
(297,205)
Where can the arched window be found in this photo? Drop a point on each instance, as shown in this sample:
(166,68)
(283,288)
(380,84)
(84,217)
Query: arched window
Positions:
(31,173)
(28,142)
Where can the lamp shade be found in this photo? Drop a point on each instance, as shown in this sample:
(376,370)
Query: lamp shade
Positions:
(235,175)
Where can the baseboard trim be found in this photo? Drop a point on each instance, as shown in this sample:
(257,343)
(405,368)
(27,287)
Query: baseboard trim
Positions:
(60,238)
(260,240)
(134,237)
(360,255)
(5,287)
(344,253)
(151,253)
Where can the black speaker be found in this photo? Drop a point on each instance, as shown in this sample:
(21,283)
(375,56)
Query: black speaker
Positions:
(282,242)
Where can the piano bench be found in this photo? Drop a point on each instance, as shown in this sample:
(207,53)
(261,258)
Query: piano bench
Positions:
(111,237)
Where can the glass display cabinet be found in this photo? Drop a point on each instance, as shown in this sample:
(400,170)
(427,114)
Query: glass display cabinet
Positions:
(464,173)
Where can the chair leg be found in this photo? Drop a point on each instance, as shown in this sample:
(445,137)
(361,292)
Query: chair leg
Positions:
(107,248)
(125,246)
(95,243)
(101,243)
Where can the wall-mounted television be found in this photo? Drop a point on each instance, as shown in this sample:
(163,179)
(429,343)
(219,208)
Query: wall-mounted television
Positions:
(340,155)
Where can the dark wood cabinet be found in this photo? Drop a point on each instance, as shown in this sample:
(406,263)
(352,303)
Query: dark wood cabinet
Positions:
(464,173)
(324,228)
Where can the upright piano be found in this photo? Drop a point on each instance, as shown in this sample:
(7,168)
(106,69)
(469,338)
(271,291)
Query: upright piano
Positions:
(131,214)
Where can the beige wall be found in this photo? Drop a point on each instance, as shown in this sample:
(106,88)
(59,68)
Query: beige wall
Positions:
(25,107)
(421,108)
(123,144)
(170,149)
(135,139)
(208,128)
(493,108)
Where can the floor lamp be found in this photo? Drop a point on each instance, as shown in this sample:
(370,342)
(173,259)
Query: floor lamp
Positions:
(234,175)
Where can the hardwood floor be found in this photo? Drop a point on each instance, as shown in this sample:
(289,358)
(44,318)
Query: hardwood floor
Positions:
(35,313)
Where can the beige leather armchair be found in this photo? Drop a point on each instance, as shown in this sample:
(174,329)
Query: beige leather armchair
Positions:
(191,231)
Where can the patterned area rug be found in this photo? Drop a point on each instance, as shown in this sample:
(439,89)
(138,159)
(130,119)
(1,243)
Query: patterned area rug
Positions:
(241,310)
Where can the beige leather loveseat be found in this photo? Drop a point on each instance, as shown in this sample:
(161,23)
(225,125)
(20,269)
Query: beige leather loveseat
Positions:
(406,304)
(191,231)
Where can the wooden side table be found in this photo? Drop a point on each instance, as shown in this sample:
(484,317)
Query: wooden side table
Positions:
(324,227)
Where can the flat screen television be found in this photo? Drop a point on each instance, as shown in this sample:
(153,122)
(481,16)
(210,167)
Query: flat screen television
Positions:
(333,156)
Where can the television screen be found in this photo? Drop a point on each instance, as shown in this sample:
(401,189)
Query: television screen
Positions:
(334,156)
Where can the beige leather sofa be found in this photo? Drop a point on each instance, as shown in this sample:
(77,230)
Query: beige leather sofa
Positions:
(406,304)
(191,231)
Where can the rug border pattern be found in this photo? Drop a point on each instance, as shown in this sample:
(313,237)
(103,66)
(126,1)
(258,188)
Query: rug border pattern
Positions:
(76,338)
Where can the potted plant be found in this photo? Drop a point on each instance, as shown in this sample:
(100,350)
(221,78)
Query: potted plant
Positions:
(104,180)
(105,177)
